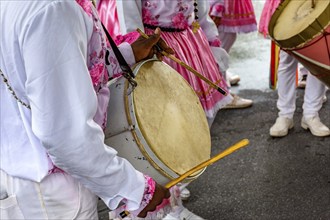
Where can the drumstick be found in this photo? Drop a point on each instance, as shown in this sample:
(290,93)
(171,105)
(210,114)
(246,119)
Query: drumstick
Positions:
(210,83)
(208,162)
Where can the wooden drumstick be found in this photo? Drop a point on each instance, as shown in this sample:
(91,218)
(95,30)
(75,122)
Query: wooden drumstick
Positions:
(223,154)
(210,161)
(209,82)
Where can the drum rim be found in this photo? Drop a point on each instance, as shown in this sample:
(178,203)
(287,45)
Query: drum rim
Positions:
(142,144)
(301,39)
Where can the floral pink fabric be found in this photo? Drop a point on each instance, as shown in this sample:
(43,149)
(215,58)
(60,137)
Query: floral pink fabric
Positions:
(194,50)
(98,70)
(149,190)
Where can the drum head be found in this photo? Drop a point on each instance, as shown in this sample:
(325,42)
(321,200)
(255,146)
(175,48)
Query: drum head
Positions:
(296,22)
(170,117)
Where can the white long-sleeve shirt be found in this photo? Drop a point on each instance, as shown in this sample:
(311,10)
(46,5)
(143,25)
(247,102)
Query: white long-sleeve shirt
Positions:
(44,51)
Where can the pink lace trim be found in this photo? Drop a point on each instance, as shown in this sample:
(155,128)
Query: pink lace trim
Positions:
(149,190)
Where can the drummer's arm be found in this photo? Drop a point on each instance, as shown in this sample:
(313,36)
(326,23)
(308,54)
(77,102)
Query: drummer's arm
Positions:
(140,49)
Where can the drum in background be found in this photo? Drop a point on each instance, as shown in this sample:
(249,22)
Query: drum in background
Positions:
(302,28)
(160,127)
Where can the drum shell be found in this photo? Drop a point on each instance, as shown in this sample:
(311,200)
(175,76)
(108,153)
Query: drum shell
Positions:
(315,56)
(311,46)
(127,140)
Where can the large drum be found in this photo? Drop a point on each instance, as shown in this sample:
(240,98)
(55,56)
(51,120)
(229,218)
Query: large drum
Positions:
(302,28)
(160,127)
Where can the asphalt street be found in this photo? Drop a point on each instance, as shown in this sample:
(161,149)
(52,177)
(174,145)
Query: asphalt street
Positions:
(271,178)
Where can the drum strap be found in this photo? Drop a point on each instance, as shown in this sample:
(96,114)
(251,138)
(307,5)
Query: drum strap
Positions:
(128,73)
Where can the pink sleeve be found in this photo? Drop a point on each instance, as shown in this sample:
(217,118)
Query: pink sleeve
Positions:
(217,9)
(129,38)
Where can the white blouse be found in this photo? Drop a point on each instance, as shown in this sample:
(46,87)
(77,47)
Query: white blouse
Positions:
(132,14)
(44,47)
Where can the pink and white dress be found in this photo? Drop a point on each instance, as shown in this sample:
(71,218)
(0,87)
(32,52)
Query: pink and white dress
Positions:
(237,16)
(175,18)
(266,14)
(109,17)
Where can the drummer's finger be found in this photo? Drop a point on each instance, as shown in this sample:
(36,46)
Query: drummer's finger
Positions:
(154,38)
(159,55)
(162,44)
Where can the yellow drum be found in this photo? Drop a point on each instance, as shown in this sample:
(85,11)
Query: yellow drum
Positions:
(160,127)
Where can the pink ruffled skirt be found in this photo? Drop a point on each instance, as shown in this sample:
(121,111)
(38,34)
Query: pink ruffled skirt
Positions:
(194,50)
(238,17)
(266,14)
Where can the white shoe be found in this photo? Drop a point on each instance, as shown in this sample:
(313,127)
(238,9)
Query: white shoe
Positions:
(234,80)
(315,125)
(281,127)
(188,215)
(238,102)
(170,217)
(184,194)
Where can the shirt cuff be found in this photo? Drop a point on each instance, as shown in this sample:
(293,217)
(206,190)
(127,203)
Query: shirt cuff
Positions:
(127,52)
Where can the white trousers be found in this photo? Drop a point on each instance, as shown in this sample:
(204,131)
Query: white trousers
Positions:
(57,196)
(286,88)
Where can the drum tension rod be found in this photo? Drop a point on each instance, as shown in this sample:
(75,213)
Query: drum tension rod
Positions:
(130,128)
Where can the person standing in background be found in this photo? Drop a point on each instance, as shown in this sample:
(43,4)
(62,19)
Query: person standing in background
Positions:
(286,88)
(232,17)
(180,22)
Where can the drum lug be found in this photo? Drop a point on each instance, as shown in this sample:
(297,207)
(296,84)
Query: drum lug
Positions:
(130,128)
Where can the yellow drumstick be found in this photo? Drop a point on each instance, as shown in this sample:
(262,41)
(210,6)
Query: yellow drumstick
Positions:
(210,83)
(223,154)
(210,161)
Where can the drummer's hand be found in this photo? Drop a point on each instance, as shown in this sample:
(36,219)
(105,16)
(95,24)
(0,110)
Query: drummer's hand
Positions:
(159,194)
(144,48)
(217,20)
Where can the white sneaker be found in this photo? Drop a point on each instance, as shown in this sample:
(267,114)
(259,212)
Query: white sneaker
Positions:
(234,79)
(170,217)
(281,127)
(188,215)
(238,102)
(315,125)
(185,193)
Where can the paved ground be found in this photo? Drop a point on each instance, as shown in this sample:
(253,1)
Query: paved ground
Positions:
(272,178)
